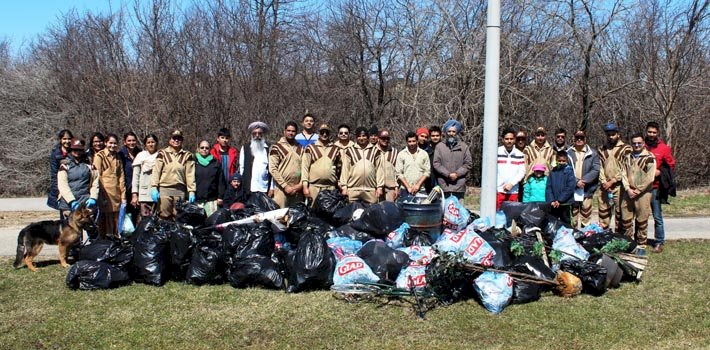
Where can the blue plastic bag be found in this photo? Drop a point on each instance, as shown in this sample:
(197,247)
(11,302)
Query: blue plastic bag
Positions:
(352,269)
(395,239)
(450,241)
(412,275)
(421,255)
(455,214)
(495,290)
(342,246)
(564,241)
(475,249)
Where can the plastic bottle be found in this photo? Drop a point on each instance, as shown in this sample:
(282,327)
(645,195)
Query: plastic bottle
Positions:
(500,219)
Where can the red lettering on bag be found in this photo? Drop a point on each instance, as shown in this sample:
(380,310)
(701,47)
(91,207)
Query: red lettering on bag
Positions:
(419,281)
(457,237)
(488,259)
(392,235)
(453,210)
(350,267)
(474,246)
(510,281)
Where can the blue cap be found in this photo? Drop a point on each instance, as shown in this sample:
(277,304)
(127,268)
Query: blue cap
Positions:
(610,127)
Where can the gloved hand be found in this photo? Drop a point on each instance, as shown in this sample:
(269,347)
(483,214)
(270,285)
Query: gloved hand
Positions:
(191,198)
(90,203)
(74,204)
(154,194)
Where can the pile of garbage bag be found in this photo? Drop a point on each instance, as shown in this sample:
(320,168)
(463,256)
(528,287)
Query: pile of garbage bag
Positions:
(340,245)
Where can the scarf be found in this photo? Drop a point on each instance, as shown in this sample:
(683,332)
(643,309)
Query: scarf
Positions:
(651,143)
(204,161)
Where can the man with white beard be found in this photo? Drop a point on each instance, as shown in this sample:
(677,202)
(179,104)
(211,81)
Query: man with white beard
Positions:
(254,161)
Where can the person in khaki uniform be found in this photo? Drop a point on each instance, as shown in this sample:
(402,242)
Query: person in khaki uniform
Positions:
(318,165)
(585,163)
(173,176)
(285,168)
(611,156)
(389,159)
(539,152)
(637,175)
(412,167)
(112,186)
(362,177)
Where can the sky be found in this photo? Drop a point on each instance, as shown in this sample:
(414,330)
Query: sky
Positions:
(22,20)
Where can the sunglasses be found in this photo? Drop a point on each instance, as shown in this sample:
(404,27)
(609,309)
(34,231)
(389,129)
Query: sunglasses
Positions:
(324,132)
(203,147)
(176,138)
(384,137)
(520,138)
(637,143)
(343,133)
(579,137)
(559,136)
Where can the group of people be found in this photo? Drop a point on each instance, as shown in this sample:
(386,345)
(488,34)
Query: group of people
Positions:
(369,169)
(627,176)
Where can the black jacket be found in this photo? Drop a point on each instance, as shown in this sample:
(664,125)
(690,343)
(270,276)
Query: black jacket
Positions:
(667,184)
(208,180)
(232,196)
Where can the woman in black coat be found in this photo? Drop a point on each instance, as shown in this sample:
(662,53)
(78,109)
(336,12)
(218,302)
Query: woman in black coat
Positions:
(208,178)
(59,152)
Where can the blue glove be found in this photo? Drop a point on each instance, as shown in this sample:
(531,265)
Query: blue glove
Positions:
(90,203)
(74,204)
(191,198)
(154,194)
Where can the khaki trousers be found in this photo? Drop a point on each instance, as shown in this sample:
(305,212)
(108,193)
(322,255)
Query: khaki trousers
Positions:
(367,196)
(605,208)
(286,201)
(582,213)
(636,211)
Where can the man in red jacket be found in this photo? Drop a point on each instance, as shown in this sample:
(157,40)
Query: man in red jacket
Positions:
(226,155)
(663,155)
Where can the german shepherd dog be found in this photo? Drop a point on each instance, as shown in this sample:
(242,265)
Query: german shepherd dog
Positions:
(33,237)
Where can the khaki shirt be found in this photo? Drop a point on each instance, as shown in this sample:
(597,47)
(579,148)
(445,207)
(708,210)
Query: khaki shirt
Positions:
(285,163)
(612,161)
(174,169)
(112,181)
(318,164)
(389,158)
(639,172)
(362,168)
(535,154)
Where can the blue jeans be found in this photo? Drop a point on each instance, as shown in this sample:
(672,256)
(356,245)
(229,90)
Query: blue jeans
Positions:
(659,232)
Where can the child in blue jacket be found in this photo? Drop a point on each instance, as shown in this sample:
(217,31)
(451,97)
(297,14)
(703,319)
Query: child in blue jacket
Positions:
(560,188)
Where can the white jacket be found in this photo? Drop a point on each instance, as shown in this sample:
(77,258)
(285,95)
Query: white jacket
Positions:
(511,169)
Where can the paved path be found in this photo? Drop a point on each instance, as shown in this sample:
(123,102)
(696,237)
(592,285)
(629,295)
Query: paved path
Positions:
(676,228)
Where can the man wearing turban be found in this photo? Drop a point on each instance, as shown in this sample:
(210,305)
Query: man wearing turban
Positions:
(254,161)
(452,161)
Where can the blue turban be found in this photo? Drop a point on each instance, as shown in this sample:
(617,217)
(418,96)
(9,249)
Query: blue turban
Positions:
(449,123)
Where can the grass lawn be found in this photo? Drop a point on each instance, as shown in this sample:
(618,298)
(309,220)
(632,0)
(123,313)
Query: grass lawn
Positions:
(687,203)
(669,309)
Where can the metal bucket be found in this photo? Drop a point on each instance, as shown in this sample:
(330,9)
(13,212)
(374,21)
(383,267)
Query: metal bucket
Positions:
(424,217)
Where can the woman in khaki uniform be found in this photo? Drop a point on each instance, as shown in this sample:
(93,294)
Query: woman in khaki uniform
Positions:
(112,188)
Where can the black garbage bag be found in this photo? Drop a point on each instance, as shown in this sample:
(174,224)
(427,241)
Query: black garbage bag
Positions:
(416,237)
(181,244)
(380,219)
(534,214)
(384,261)
(296,213)
(349,232)
(512,211)
(327,203)
(597,241)
(88,275)
(592,275)
(309,225)
(311,264)
(471,217)
(526,292)
(614,273)
(116,252)
(206,264)
(219,217)
(260,203)
(151,256)
(345,214)
(247,240)
(501,246)
(449,282)
(190,214)
(256,270)
(550,228)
